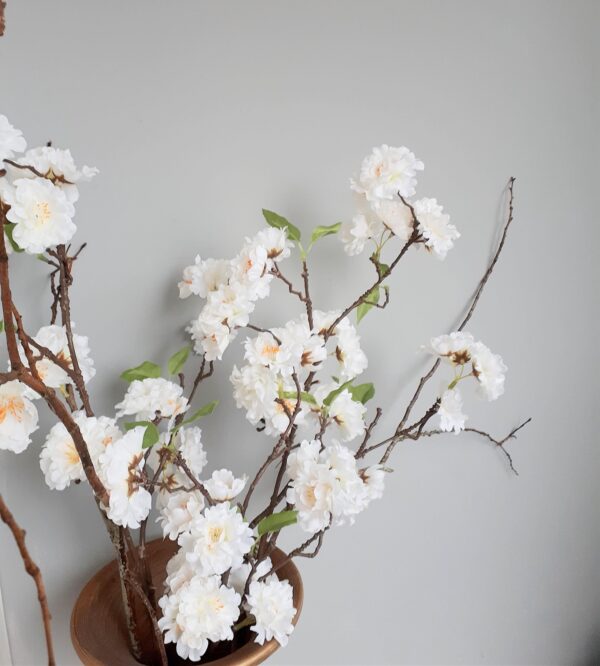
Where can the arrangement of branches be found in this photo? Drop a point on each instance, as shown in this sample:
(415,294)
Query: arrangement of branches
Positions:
(157,457)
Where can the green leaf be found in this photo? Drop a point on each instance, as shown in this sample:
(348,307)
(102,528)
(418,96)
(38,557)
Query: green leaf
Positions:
(334,394)
(203,411)
(371,300)
(362,393)
(384,269)
(2,326)
(151,434)
(279,222)
(143,371)
(292,395)
(177,361)
(276,521)
(9,228)
(321,231)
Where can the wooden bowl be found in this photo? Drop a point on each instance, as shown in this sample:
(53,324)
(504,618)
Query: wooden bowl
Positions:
(98,629)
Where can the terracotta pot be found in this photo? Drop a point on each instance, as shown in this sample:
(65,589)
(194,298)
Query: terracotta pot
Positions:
(98,627)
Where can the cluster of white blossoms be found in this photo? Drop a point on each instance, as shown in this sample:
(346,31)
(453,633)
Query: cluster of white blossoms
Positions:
(147,398)
(231,289)
(197,607)
(470,359)
(18,417)
(40,188)
(265,386)
(326,486)
(387,176)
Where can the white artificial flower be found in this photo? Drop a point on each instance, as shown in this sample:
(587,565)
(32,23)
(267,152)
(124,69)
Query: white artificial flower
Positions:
(251,264)
(223,485)
(238,577)
(450,411)
(355,234)
(275,242)
(121,468)
(326,486)
(189,444)
(204,276)
(374,479)
(41,214)
(178,512)
(272,604)
(18,417)
(202,610)
(386,172)
(350,356)
(145,397)
(54,338)
(454,347)
(59,459)
(396,216)
(218,539)
(255,389)
(265,349)
(489,369)
(322,321)
(210,337)
(179,572)
(435,227)
(58,166)
(11,140)
(346,416)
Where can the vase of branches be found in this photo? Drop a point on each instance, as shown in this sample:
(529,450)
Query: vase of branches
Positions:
(216,587)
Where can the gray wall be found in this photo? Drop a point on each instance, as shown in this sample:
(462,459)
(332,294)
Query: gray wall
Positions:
(198,114)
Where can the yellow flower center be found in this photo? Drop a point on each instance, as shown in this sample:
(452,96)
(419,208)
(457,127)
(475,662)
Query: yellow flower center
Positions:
(214,534)
(12,407)
(71,454)
(42,212)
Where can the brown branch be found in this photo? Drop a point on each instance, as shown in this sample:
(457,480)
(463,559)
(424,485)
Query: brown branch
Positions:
(2,19)
(278,274)
(300,551)
(33,570)
(482,283)
(380,278)
(180,462)
(307,298)
(368,433)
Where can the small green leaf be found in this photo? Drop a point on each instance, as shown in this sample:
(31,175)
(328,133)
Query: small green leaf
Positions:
(362,393)
(203,411)
(292,395)
(384,269)
(177,361)
(277,521)
(334,394)
(2,326)
(143,371)
(321,231)
(9,228)
(371,300)
(279,222)
(151,434)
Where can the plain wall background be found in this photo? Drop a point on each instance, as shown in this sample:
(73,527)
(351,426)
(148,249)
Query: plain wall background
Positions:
(198,114)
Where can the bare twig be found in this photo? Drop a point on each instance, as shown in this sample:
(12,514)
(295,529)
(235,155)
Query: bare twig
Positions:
(34,571)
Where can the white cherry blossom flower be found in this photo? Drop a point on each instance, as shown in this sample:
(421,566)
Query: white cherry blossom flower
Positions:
(489,370)
(223,485)
(275,242)
(179,572)
(178,511)
(202,610)
(452,418)
(121,468)
(218,539)
(255,389)
(374,479)
(11,140)
(54,338)
(204,276)
(347,416)
(41,213)
(266,349)
(396,216)
(272,604)
(351,358)
(18,417)
(454,347)
(145,397)
(57,165)
(355,234)
(386,172)
(59,459)
(435,227)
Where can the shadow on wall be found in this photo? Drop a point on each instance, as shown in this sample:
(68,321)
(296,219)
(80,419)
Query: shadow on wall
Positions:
(591,656)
